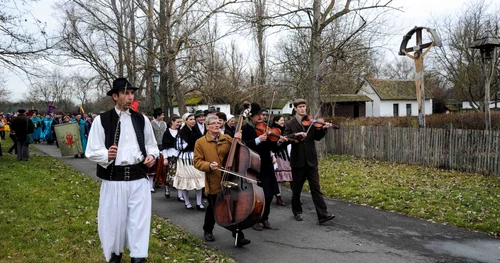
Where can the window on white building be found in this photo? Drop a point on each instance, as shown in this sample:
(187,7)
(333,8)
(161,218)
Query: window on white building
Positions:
(395,109)
(408,109)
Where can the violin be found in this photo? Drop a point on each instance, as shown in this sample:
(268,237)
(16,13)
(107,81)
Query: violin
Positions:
(309,120)
(273,133)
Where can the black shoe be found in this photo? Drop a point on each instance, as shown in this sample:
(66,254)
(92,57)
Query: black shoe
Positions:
(257,227)
(115,258)
(326,218)
(200,208)
(180,199)
(298,217)
(167,193)
(242,242)
(189,207)
(209,236)
(153,190)
(266,225)
(138,260)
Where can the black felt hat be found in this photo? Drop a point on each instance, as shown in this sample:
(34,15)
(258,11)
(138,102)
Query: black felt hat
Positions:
(198,113)
(120,84)
(255,108)
(21,110)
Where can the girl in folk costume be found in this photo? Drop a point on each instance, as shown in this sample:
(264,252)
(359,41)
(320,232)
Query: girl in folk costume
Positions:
(282,168)
(37,122)
(47,133)
(170,153)
(187,177)
(159,128)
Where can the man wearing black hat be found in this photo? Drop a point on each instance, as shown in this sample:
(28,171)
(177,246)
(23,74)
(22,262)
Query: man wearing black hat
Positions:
(304,162)
(263,147)
(22,126)
(200,129)
(122,143)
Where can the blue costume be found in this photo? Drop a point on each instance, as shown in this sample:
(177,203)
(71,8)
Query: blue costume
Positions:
(37,133)
(47,133)
(83,133)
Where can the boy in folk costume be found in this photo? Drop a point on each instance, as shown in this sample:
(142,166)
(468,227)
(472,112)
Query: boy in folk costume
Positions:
(122,143)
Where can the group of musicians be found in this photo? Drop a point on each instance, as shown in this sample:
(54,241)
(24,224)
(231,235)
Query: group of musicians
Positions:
(209,143)
(191,157)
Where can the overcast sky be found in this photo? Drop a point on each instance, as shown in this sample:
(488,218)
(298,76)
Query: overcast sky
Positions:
(415,13)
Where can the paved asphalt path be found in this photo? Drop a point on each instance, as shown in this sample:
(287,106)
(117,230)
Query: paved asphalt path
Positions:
(357,234)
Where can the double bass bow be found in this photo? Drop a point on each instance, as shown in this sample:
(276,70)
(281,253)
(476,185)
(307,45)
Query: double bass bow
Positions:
(240,204)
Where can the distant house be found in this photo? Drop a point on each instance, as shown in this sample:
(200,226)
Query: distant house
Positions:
(196,102)
(344,105)
(466,105)
(393,98)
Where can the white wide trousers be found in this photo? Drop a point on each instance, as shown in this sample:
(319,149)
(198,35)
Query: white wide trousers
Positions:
(124,216)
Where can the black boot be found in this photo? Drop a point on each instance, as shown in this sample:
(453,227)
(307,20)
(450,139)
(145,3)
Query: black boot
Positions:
(115,258)
(138,260)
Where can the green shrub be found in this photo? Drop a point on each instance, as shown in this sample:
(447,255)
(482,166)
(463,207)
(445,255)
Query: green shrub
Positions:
(465,120)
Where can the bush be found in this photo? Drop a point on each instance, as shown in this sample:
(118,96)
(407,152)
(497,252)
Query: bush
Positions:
(465,120)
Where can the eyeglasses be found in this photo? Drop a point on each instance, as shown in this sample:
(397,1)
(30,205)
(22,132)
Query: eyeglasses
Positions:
(213,123)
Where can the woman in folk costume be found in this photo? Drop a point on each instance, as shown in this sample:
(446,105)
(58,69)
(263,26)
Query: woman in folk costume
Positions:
(282,168)
(37,122)
(187,177)
(47,133)
(170,153)
(83,135)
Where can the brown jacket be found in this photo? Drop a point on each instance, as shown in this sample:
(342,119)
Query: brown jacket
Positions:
(207,150)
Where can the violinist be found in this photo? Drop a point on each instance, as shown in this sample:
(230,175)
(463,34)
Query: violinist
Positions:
(304,161)
(263,146)
(210,151)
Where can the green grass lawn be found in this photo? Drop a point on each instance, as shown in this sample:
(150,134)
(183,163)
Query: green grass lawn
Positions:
(461,199)
(48,213)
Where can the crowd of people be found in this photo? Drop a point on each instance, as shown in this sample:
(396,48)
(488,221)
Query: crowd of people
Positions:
(33,127)
(188,153)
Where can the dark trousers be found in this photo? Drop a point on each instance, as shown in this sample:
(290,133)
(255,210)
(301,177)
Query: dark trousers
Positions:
(2,135)
(14,146)
(267,209)
(22,150)
(208,225)
(300,175)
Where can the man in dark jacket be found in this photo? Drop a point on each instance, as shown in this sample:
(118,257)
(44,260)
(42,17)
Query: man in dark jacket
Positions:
(22,126)
(304,162)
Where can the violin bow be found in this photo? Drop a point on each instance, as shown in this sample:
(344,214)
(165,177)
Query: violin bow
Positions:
(270,110)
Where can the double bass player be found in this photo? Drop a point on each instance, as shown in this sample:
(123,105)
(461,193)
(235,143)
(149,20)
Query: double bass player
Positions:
(210,151)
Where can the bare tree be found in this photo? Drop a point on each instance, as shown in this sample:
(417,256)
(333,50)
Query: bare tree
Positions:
(355,16)
(457,63)
(18,43)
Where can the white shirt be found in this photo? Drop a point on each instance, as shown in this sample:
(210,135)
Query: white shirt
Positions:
(128,152)
(169,152)
(201,126)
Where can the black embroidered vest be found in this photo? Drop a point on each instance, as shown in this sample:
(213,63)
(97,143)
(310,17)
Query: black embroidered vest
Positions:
(109,121)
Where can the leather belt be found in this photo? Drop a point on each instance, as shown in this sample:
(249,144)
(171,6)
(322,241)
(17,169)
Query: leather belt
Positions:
(128,172)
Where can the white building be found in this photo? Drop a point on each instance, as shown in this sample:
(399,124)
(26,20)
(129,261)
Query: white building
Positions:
(393,98)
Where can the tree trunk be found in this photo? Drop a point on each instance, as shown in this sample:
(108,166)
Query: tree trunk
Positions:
(315,56)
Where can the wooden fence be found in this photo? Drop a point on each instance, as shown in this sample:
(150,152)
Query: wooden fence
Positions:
(465,150)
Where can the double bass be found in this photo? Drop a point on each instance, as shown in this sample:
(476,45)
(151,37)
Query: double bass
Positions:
(240,204)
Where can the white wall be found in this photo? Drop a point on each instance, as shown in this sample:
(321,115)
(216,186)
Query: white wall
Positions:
(387,110)
(467,105)
(372,107)
(287,109)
